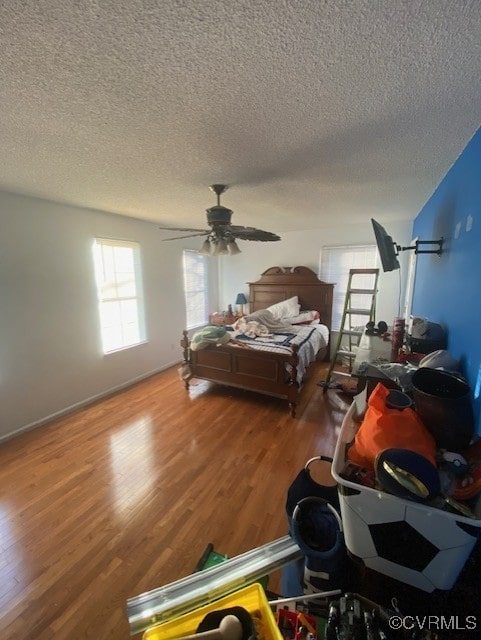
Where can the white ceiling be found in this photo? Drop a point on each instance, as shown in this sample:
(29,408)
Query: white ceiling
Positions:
(313,111)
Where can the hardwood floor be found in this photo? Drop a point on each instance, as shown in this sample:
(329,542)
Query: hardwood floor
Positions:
(122,496)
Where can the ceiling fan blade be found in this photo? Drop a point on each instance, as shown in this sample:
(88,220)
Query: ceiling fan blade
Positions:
(250,233)
(192,235)
(182,229)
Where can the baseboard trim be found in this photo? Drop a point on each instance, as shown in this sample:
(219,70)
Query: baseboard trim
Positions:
(85,402)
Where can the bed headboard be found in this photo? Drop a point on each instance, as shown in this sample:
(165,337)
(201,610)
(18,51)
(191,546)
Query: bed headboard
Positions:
(282,283)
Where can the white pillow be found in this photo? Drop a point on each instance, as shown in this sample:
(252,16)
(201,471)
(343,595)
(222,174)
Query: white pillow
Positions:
(286,308)
(305,317)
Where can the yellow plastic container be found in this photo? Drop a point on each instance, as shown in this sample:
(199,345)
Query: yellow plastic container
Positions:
(252,598)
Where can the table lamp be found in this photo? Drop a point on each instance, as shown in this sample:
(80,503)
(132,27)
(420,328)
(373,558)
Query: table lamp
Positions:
(241,300)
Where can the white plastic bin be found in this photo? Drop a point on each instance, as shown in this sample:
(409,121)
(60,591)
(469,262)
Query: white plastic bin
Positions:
(419,545)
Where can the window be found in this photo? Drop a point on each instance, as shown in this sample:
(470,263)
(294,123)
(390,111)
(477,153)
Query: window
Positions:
(195,288)
(117,270)
(335,264)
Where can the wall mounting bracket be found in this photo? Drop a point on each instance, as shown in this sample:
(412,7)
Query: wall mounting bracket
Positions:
(418,243)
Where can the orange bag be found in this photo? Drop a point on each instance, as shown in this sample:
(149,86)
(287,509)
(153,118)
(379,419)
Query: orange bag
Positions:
(385,428)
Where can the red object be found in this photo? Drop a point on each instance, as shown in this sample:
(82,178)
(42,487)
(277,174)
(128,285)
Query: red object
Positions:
(397,339)
(290,623)
(410,358)
(469,485)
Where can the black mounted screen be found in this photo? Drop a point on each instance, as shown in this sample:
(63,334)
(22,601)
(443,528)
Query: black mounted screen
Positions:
(386,247)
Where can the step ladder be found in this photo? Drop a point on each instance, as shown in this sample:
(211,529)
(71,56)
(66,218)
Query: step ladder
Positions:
(347,331)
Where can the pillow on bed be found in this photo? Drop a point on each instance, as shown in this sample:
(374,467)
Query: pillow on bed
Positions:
(266,318)
(285,308)
(305,317)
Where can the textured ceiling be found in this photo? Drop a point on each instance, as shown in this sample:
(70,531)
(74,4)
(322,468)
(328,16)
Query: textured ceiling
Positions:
(312,111)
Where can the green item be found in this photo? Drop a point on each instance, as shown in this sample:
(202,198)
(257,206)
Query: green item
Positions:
(209,335)
(211,558)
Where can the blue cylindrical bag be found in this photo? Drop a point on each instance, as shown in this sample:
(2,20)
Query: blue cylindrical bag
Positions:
(317,528)
(315,525)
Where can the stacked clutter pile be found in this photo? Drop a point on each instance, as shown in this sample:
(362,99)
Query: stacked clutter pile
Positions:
(409,479)
(429,444)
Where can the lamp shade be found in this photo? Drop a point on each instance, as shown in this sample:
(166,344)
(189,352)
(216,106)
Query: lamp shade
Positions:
(220,248)
(205,249)
(241,299)
(233,248)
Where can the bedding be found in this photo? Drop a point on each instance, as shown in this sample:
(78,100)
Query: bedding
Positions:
(308,340)
(209,335)
(265,318)
(304,317)
(285,308)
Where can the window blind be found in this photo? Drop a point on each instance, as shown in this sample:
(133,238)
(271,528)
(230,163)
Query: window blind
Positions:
(335,263)
(117,271)
(195,288)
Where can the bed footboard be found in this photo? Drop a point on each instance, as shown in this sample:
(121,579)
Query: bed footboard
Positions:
(234,365)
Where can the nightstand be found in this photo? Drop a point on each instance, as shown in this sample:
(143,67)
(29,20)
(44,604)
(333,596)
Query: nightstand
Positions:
(220,319)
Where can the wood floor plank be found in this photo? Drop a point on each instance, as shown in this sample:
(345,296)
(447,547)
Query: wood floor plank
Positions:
(122,496)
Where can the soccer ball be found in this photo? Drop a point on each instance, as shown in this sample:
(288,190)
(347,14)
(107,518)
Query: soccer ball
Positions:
(419,545)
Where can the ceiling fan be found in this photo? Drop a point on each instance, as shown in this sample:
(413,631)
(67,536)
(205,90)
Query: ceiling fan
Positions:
(222,235)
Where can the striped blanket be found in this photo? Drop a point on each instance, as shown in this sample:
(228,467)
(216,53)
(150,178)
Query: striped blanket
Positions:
(308,338)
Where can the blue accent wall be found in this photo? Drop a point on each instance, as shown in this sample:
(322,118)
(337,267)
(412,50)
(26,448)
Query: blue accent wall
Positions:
(448,287)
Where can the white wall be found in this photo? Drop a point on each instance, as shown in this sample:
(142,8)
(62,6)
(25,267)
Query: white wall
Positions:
(303,248)
(50,351)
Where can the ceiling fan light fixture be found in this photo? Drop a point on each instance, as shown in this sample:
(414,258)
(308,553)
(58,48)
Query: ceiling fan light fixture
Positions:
(233,248)
(220,247)
(205,250)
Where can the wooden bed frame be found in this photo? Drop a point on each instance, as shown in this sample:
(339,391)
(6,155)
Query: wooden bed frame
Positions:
(262,371)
